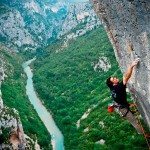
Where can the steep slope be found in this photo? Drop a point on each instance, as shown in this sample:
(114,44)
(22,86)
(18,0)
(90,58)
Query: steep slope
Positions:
(11,131)
(128,26)
(15,103)
(71,83)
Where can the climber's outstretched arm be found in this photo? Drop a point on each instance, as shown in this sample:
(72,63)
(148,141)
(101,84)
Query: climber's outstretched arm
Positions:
(128,73)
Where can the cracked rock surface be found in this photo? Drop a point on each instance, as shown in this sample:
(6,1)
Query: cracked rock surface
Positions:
(127,24)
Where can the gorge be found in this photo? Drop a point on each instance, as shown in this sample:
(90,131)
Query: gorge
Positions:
(56,135)
(73,59)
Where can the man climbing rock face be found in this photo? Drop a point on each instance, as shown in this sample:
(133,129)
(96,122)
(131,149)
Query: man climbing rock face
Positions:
(119,95)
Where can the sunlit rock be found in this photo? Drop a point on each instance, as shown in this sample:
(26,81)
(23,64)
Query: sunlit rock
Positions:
(128,26)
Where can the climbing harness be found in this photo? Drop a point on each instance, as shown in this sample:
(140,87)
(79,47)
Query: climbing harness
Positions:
(117,108)
(113,106)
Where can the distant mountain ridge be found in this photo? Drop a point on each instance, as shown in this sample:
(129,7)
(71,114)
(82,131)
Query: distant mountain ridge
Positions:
(30,24)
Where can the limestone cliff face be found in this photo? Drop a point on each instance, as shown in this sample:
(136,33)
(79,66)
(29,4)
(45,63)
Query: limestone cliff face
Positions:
(128,26)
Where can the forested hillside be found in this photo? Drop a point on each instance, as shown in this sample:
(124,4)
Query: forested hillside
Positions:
(14,96)
(71,81)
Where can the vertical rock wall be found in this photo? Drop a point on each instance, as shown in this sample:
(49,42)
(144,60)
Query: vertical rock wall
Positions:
(127,23)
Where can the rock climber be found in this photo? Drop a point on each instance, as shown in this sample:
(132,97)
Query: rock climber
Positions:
(119,95)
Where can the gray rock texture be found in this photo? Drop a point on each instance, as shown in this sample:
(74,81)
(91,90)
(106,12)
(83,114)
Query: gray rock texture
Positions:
(128,27)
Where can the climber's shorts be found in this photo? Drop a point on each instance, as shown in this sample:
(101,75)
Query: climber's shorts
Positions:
(124,111)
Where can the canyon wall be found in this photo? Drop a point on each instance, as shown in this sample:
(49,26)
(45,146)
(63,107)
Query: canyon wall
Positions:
(33,24)
(127,23)
(12,135)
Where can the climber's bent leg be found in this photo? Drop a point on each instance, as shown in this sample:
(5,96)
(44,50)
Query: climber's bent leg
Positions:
(131,118)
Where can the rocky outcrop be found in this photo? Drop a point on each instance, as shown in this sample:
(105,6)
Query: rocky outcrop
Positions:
(79,13)
(128,26)
(12,134)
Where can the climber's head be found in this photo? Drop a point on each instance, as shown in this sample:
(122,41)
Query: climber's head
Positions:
(112,81)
